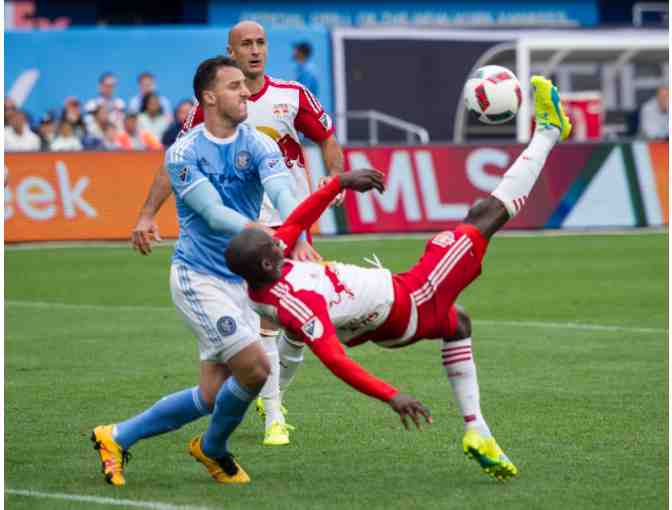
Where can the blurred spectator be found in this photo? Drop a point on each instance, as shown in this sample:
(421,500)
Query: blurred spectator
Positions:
(66,139)
(133,138)
(653,118)
(72,113)
(10,108)
(147,85)
(46,131)
(110,132)
(18,136)
(306,74)
(95,125)
(153,118)
(115,105)
(181,112)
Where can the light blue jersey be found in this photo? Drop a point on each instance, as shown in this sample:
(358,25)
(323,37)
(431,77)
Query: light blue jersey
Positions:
(237,167)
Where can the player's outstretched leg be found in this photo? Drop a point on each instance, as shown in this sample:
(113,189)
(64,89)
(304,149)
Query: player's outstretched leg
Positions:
(477,442)
(552,125)
(170,413)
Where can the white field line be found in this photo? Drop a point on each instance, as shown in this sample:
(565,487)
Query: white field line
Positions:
(153,505)
(169,243)
(525,324)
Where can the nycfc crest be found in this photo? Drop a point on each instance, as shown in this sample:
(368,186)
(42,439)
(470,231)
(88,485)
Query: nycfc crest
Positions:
(243,159)
(226,326)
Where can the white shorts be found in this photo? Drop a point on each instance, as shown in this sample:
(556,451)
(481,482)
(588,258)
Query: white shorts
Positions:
(216,310)
(268,215)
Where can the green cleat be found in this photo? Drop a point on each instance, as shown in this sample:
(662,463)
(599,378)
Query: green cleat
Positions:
(548,111)
(489,455)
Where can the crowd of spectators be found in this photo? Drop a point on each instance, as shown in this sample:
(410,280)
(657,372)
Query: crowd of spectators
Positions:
(104,122)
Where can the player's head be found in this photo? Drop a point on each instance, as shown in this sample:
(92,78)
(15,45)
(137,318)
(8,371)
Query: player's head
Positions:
(255,256)
(247,45)
(219,85)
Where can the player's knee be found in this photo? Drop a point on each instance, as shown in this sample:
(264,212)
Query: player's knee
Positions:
(256,375)
(463,328)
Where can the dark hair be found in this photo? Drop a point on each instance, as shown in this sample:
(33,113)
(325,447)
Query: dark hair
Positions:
(206,72)
(145,100)
(305,48)
(105,75)
(145,74)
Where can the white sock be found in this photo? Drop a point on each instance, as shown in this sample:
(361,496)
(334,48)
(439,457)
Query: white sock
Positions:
(519,179)
(461,370)
(270,393)
(291,358)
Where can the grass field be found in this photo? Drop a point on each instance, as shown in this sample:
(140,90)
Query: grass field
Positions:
(91,337)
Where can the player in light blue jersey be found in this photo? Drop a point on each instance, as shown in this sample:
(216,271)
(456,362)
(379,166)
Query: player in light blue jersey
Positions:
(219,173)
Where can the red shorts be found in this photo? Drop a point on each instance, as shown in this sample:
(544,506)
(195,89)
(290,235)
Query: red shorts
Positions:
(451,261)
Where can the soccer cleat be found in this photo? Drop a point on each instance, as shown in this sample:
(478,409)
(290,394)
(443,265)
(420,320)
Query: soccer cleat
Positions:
(548,109)
(259,404)
(488,454)
(224,469)
(277,434)
(112,456)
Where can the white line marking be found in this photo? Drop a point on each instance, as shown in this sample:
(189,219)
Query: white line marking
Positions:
(61,245)
(153,505)
(525,324)
(95,308)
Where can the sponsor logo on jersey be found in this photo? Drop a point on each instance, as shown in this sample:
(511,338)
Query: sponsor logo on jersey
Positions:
(325,120)
(313,329)
(226,326)
(184,175)
(243,159)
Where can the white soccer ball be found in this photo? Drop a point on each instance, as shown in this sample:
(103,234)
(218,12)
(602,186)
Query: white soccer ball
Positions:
(492,93)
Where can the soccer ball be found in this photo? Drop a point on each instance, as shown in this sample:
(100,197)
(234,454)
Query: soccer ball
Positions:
(492,93)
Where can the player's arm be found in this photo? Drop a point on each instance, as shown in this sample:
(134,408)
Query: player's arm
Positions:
(146,229)
(312,207)
(316,124)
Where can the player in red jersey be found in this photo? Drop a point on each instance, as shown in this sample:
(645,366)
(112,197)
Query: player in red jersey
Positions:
(281,110)
(326,305)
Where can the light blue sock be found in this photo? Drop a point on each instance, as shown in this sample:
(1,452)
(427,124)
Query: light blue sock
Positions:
(230,405)
(169,413)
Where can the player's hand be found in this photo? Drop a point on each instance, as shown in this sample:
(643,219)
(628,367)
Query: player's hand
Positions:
(363,180)
(339,199)
(260,226)
(144,232)
(408,406)
(305,252)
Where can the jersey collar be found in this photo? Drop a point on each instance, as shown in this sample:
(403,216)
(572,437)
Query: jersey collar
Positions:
(256,96)
(221,141)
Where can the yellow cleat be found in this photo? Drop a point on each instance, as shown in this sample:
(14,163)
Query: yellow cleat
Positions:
(259,404)
(488,454)
(112,456)
(277,434)
(223,470)
(548,109)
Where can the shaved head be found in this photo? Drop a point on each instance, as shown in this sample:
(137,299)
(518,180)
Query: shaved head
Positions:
(247,45)
(245,28)
(255,256)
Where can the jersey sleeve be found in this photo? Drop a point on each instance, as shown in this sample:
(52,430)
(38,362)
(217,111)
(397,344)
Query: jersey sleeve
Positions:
(304,314)
(311,119)
(182,167)
(194,118)
(307,213)
(267,157)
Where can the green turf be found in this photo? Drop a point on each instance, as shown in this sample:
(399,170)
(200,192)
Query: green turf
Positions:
(583,413)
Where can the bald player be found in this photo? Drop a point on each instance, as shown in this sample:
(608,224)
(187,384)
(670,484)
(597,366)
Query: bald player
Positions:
(281,110)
